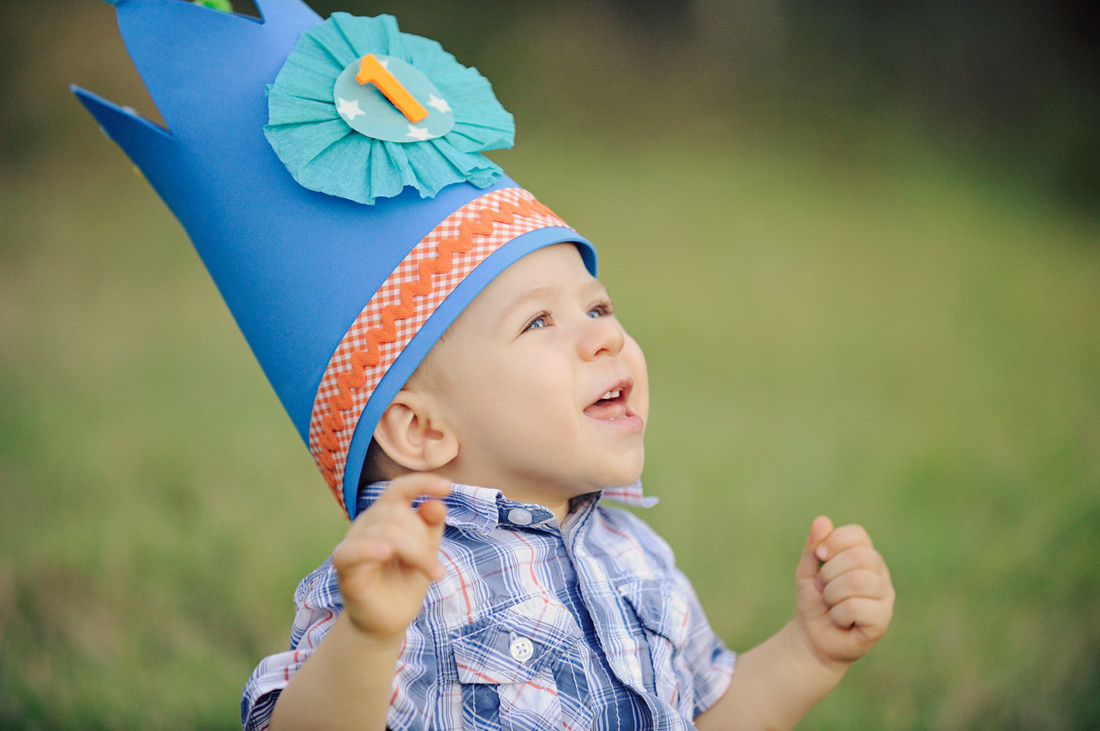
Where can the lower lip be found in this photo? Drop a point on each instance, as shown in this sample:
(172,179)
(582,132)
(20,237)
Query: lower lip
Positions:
(630,422)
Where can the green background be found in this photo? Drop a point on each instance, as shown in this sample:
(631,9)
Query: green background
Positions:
(861,248)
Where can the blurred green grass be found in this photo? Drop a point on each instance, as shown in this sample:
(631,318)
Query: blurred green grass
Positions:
(893,342)
(874,331)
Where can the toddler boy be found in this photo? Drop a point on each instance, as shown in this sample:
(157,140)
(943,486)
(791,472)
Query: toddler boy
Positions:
(543,608)
(441,342)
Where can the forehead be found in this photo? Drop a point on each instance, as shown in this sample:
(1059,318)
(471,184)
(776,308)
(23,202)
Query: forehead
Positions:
(534,281)
(545,272)
(537,278)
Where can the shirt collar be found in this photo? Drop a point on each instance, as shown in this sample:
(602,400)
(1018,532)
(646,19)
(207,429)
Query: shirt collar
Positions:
(484,509)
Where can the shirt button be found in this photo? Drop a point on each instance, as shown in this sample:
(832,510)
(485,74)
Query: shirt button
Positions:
(519,516)
(522,649)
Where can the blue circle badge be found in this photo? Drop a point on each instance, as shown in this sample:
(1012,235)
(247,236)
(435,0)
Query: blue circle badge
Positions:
(391,100)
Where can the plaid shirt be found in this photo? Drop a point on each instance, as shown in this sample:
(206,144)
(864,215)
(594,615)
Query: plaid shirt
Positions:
(533,627)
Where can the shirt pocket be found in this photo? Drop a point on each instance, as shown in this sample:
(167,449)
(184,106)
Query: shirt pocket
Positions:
(665,616)
(518,668)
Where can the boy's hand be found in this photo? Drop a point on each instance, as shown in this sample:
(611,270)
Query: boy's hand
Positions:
(390,556)
(845,596)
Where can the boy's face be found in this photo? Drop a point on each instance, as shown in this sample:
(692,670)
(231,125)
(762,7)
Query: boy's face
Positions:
(521,378)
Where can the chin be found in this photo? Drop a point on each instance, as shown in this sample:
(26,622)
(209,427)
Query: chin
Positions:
(623,479)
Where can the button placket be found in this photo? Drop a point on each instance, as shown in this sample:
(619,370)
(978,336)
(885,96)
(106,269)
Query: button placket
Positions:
(520,516)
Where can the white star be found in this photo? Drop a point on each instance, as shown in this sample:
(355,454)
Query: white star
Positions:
(349,110)
(419,133)
(440,104)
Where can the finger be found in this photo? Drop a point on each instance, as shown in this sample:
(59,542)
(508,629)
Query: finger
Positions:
(402,553)
(853,559)
(351,553)
(432,512)
(841,539)
(391,532)
(405,489)
(870,615)
(808,564)
(859,583)
(416,546)
(372,523)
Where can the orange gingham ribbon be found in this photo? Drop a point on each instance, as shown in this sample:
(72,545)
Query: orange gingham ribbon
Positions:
(401,306)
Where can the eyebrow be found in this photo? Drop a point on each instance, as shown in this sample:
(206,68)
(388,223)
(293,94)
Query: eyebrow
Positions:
(512,308)
(545,292)
(550,291)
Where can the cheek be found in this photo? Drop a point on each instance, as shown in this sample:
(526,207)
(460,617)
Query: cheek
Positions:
(526,387)
(634,357)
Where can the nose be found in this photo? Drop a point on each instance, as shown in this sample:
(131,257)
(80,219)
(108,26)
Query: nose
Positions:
(601,336)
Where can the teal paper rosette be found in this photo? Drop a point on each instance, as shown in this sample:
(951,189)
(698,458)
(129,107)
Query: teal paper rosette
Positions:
(341,136)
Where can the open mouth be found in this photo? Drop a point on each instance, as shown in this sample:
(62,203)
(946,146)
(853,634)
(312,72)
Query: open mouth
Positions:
(612,405)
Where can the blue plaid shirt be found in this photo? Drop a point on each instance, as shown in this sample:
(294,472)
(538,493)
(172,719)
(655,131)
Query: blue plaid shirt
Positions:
(534,626)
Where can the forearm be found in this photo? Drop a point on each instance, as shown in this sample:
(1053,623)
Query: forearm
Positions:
(774,685)
(345,683)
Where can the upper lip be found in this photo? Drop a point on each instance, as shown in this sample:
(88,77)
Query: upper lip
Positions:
(622,387)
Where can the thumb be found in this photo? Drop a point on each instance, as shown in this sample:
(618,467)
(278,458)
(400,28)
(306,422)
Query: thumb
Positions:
(808,564)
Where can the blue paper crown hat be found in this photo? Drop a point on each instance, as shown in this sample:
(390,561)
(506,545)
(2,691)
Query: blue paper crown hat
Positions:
(343,249)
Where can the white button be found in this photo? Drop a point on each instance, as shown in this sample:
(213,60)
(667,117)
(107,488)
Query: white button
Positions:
(519,516)
(522,649)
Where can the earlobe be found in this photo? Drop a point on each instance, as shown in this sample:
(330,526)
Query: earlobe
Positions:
(412,436)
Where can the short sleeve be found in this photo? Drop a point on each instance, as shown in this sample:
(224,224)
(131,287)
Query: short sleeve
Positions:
(699,665)
(711,662)
(317,604)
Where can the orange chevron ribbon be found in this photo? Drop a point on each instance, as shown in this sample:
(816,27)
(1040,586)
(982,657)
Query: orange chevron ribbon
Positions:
(401,306)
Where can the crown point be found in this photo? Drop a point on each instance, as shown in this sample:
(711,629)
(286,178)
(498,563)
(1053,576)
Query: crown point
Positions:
(223,5)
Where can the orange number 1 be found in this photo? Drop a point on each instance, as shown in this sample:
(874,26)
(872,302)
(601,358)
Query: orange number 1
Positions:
(371,71)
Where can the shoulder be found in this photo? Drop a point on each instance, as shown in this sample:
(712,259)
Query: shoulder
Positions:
(319,589)
(317,603)
(619,531)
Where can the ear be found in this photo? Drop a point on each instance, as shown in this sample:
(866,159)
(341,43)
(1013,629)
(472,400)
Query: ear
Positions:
(412,436)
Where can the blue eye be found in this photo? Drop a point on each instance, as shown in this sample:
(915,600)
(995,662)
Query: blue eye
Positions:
(540,321)
(603,309)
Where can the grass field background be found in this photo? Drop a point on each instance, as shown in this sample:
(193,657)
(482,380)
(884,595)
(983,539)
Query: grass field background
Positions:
(875,330)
